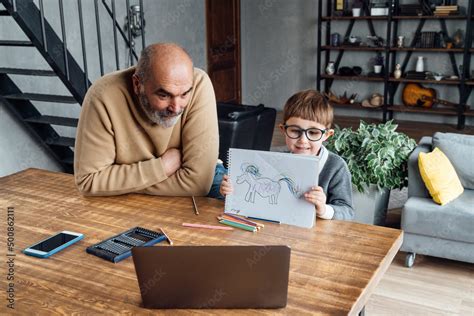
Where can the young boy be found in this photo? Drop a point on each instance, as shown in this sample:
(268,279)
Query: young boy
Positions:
(307,118)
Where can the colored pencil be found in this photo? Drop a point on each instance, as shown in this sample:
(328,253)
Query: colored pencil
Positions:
(243,220)
(195,206)
(263,219)
(238,225)
(169,239)
(206,226)
(230,219)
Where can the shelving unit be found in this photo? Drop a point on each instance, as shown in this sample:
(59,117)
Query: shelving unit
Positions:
(390,84)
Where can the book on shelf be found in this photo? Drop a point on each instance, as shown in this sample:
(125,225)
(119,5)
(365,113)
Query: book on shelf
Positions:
(411,74)
(447,7)
(446,10)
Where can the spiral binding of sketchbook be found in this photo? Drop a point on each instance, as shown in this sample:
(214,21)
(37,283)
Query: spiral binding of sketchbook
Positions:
(270,185)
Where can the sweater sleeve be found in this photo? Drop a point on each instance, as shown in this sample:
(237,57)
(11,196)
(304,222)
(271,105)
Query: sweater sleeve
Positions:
(340,194)
(95,169)
(95,163)
(200,142)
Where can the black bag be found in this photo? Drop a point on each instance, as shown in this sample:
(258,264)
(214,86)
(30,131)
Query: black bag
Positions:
(244,126)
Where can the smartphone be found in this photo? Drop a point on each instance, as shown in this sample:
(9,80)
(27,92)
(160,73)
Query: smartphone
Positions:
(53,244)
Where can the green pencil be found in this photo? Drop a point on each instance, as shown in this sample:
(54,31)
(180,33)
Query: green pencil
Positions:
(238,225)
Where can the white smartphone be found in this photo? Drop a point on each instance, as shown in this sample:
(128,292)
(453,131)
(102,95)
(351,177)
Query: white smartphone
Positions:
(53,244)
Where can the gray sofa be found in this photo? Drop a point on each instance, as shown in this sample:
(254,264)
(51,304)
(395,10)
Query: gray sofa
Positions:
(442,231)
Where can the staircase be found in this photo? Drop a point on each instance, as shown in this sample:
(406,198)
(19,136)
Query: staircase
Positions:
(54,49)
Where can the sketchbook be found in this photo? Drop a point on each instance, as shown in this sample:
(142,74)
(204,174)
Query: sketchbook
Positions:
(271,185)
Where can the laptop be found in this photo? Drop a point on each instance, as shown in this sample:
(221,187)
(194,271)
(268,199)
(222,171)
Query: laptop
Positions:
(213,276)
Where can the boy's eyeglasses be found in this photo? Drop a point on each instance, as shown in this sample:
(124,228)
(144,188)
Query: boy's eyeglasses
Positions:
(294,132)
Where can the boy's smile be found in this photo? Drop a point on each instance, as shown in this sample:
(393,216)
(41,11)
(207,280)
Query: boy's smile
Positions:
(302,145)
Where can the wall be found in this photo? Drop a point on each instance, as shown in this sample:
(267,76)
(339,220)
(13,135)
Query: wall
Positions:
(278,49)
(180,21)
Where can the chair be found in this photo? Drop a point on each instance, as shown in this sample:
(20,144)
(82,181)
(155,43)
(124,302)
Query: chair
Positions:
(445,231)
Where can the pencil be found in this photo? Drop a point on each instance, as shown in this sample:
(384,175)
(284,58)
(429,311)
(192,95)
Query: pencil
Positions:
(230,219)
(238,225)
(195,206)
(243,220)
(264,219)
(167,237)
(237,220)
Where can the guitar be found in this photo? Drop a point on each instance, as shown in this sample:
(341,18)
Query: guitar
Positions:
(415,94)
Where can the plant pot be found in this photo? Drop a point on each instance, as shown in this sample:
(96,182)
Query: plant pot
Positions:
(370,207)
(377,69)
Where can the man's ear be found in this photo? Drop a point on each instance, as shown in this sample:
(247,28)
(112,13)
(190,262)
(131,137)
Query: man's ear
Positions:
(136,84)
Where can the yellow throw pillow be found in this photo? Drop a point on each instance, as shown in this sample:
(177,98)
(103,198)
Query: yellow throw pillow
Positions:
(439,176)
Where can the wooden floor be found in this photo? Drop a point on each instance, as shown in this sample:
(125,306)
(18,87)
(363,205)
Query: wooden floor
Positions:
(433,286)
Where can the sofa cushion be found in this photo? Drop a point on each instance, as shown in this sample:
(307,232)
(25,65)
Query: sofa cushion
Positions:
(439,176)
(454,221)
(460,151)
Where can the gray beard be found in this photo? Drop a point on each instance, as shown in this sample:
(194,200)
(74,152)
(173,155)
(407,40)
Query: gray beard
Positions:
(163,118)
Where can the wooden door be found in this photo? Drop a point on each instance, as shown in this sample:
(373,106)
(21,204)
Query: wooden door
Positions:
(223,48)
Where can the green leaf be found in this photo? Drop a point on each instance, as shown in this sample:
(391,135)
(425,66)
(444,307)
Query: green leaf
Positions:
(375,153)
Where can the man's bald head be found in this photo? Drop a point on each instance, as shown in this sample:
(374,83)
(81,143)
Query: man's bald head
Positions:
(163,82)
(162,59)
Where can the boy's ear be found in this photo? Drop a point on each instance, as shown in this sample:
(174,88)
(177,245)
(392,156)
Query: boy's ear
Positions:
(282,127)
(329,133)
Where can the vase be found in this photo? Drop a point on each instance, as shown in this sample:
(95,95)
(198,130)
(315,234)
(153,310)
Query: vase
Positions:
(335,39)
(398,71)
(400,41)
(420,66)
(330,68)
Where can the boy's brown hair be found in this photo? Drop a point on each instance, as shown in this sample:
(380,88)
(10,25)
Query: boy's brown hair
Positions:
(309,105)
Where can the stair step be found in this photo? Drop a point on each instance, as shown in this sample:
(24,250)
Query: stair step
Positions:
(27,72)
(4,12)
(16,43)
(41,97)
(53,120)
(61,141)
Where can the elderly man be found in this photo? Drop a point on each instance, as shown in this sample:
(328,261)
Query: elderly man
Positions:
(150,129)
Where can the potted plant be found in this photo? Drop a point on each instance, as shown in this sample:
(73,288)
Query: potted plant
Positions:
(377,156)
(378,62)
(357,8)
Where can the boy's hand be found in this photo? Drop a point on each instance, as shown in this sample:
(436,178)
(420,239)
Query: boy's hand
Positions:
(317,197)
(226,186)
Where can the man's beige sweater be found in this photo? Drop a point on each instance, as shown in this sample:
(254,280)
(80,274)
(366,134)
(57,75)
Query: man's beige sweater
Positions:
(118,150)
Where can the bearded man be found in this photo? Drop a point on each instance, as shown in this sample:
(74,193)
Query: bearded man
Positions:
(149,129)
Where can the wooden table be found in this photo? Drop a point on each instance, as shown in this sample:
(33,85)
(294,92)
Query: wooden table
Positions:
(334,267)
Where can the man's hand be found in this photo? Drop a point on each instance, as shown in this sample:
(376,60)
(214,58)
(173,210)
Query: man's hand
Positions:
(171,161)
(317,197)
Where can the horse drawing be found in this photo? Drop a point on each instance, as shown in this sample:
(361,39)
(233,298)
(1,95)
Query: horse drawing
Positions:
(265,187)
